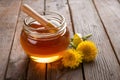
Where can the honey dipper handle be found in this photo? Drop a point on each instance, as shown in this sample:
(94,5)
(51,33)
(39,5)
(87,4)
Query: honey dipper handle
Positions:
(32,13)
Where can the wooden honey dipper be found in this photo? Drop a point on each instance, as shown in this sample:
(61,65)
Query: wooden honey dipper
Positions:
(32,13)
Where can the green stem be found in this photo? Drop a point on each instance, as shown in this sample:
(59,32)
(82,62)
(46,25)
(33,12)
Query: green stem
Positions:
(86,37)
(72,45)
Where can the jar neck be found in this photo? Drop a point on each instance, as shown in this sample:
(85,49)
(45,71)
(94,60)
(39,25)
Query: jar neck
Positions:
(40,32)
(35,35)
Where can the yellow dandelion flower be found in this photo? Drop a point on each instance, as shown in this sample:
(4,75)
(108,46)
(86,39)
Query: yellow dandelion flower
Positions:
(88,49)
(72,58)
(77,38)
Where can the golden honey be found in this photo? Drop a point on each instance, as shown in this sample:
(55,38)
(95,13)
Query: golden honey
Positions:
(41,45)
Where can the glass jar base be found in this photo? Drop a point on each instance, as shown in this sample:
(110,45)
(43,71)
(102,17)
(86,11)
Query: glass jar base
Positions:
(46,59)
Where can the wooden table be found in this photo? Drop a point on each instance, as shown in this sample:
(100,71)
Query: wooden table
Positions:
(103,18)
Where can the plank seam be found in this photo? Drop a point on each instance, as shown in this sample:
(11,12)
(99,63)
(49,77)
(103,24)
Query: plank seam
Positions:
(118,1)
(83,71)
(27,68)
(44,7)
(46,69)
(12,41)
(69,8)
(71,18)
(106,32)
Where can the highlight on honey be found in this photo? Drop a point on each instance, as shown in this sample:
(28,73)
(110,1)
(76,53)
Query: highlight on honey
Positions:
(45,60)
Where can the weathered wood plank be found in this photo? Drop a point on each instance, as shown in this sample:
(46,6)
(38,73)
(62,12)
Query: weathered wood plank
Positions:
(109,11)
(106,66)
(36,71)
(9,10)
(60,6)
(18,59)
(18,64)
(55,71)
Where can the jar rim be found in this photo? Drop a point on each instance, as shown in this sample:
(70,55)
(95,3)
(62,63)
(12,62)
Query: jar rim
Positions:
(60,28)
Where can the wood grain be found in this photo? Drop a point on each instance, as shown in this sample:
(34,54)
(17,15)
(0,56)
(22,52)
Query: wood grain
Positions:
(110,15)
(61,7)
(106,66)
(55,70)
(99,17)
(8,18)
(18,59)
(36,71)
(19,62)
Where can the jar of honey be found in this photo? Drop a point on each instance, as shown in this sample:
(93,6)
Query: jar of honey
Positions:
(39,43)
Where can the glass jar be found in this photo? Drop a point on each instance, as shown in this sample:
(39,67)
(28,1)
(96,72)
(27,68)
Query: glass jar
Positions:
(39,43)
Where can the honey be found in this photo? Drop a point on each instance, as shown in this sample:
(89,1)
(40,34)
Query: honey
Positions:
(43,46)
